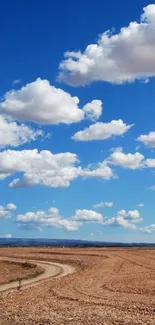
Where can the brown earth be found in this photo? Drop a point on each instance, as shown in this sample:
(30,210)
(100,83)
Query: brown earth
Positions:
(12,271)
(109,287)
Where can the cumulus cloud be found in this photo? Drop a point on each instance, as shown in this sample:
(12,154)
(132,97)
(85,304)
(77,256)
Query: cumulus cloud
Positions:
(115,58)
(103,204)
(50,218)
(132,216)
(11,206)
(125,219)
(102,171)
(13,134)
(46,168)
(87,216)
(148,229)
(120,222)
(102,131)
(59,170)
(39,102)
(39,168)
(130,161)
(93,110)
(6,211)
(148,139)
(150,163)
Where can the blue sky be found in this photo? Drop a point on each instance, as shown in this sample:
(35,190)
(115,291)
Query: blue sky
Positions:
(77,133)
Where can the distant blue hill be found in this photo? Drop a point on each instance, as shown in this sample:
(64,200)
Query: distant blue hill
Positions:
(26,242)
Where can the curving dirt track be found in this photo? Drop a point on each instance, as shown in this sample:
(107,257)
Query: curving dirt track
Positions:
(110,286)
(51,269)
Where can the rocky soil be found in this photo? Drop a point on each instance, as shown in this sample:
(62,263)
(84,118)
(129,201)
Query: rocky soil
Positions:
(109,287)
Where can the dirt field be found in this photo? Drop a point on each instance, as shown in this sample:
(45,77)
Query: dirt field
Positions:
(110,286)
(12,271)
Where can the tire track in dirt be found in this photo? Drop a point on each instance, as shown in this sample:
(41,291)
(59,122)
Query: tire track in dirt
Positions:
(82,291)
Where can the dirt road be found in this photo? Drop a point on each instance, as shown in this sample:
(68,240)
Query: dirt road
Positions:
(51,269)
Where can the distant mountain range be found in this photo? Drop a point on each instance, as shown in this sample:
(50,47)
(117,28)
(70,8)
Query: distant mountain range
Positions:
(26,242)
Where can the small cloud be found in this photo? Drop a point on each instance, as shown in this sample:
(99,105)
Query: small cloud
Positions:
(141,205)
(16,81)
(103,204)
(151,188)
(118,149)
(6,212)
(147,139)
(5,236)
(11,206)
(137,147)
(148,229)
(102,131)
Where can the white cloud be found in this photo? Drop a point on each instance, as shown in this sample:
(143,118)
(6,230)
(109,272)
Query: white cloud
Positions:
(16,81)
(148,139)
(87,216)
(51,218)
(148,229)
(93,110)
(39,168)
(45,168)
(141,205)
(5,236)
(150,163)
(59,170)
(39,102)
(13,134)
(103,204)
(125,219)
(11,206)
(130,161)
(115,58)
(6,211)
(131,215)
(101,171)
(102,131)
(120,222)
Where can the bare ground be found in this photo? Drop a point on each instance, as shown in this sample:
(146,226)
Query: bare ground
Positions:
(45,271)
(110,286)
(11,271)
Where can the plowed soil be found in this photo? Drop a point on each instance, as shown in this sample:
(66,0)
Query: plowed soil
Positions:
(109,286)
